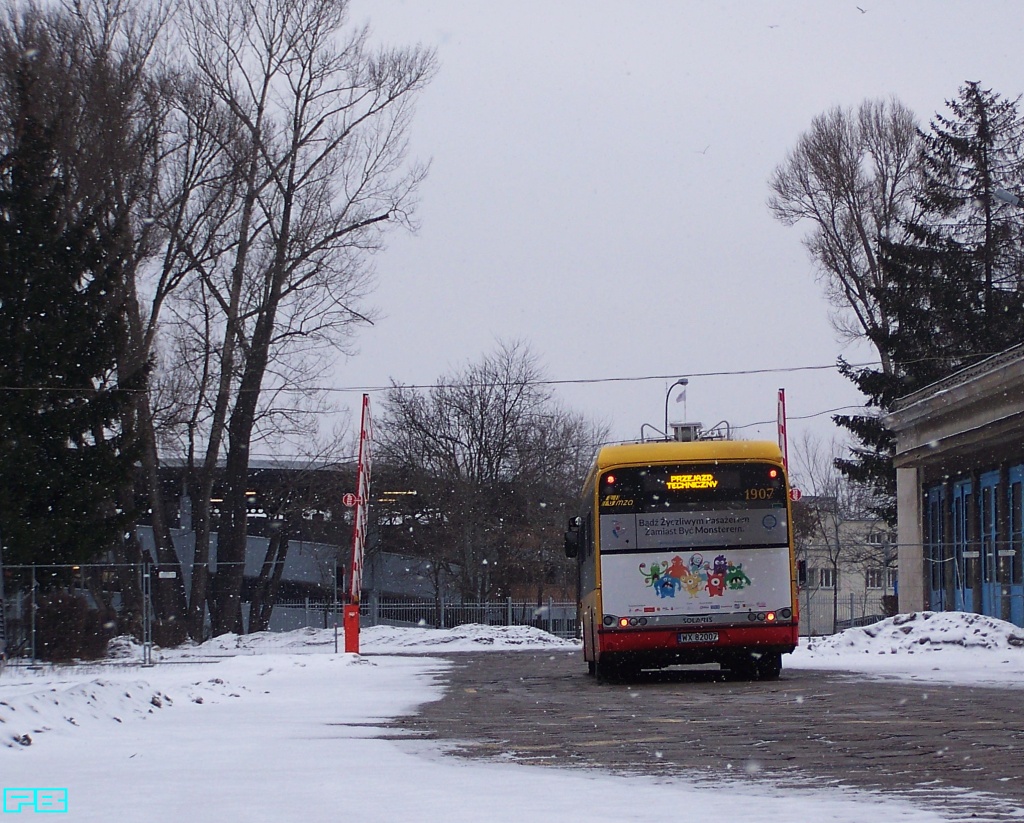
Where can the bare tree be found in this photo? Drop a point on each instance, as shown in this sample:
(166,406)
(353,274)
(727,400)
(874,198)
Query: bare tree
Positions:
(299,502)
(414,522)
(175,206)
(853,175)
(317,124)
(829,518)
(504,458)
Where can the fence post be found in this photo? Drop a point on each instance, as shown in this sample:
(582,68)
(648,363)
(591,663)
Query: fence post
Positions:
(443,607)
(32,616)
(551,618)
(147,615)
(807,609)
(334,604)
(508,621)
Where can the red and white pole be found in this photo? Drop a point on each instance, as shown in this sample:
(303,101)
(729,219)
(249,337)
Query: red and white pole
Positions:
(362,502)
(783,441)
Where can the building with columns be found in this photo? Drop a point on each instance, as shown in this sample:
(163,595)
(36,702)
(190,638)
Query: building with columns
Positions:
(959,480)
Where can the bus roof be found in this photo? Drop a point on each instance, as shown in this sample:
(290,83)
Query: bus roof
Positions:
(671,451)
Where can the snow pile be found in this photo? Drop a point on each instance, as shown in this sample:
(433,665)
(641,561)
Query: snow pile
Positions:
(372,640)
(923,632)
(35,703)
(922,647)
(468,638)
(50,699)
(298,641)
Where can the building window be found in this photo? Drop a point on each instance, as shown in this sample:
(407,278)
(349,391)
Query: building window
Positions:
(826,578)
(875,539)
(873,578)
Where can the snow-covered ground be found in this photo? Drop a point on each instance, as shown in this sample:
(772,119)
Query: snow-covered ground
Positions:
(281,728)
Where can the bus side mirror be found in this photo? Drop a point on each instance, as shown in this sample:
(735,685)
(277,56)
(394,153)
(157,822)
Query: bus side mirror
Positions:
(572,537)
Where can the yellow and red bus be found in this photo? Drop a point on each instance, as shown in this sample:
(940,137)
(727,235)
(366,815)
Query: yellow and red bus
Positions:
(685,556)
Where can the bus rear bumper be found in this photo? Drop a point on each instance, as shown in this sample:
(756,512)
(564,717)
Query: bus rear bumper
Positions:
(708,642)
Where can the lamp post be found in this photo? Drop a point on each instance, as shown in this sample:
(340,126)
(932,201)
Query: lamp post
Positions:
(682,381)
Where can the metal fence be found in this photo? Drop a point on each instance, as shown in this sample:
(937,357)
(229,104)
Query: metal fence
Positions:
(823,614)
(817,616)
(554,616)
(29,621)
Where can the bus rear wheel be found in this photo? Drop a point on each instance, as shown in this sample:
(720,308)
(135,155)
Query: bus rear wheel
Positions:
(616,669)
(757,666)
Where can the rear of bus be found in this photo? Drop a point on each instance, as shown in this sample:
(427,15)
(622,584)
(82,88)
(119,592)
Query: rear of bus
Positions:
(693,559)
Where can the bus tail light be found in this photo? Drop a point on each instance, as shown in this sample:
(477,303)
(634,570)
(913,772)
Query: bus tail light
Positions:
(624,622)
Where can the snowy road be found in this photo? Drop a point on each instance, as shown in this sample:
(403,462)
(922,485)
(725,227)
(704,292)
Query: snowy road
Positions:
(937,743)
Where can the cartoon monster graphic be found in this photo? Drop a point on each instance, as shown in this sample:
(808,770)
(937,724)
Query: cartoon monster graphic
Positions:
(691,581)
(720,564)
(736,578)
(715,584)
(677,568)
(696,562)
(666,586)
(651,576)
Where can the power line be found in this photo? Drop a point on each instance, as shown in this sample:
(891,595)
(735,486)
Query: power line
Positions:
(595,380)
(553,382)
(802,416)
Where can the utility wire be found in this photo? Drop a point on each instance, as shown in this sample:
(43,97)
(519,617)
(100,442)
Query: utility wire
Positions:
(565,382)
(592,380)
(562,382)
(801,416)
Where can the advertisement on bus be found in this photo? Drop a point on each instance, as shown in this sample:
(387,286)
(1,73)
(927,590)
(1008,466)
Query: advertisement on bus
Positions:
(687,582)
(713,562)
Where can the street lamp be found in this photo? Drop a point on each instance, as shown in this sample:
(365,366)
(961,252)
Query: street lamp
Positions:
(682,381)
(1006,196)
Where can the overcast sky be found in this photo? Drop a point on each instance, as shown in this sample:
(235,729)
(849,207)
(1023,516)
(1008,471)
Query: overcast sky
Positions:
(598,187)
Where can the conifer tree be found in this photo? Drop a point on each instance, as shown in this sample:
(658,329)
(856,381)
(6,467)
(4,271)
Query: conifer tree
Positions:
(61,455)
(954,287)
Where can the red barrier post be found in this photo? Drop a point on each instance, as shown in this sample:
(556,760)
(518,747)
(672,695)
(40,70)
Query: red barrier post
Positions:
(351,623)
